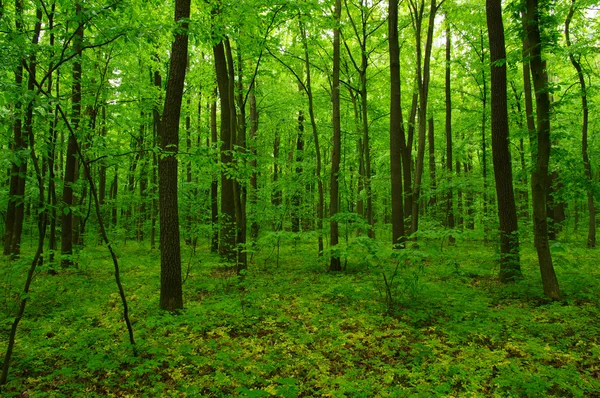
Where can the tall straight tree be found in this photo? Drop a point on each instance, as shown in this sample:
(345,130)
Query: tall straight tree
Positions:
(449,164)
(510,268)
(575,61)
(423,78)
(396,128)
(539,178)
(227,215)
(71,162)
(334,205)
(171,295)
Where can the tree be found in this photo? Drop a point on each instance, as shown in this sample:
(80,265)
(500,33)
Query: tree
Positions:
(539,178)
(396,128)
(335,264)
(171,295)
(591,238)
(449,164)
(507,211)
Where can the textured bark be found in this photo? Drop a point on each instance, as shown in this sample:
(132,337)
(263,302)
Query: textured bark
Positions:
(396,128)
(171,297)
(334,199)
(591,238)
(510,268)
(227,215)
(539,179)
(71,161)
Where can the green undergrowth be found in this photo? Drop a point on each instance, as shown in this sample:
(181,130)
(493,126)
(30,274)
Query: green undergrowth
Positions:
(440,326)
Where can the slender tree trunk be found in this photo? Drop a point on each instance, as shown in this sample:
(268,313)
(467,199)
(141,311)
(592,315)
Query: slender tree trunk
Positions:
(334,198)
(432,183)
(227,215)
(539,179)
(155,127)
(396,129)
(254,228)
(240,185)
(171,297)
(484,142)
(591,238)
(423,80)
(510,267)
(114,190)
(449,160)
(311,112)
(297,194)
(71,167)
(214,186)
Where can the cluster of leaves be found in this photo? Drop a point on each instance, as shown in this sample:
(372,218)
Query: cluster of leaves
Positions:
(295,330)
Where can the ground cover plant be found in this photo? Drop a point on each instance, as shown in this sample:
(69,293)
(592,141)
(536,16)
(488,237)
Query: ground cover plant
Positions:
(294,329)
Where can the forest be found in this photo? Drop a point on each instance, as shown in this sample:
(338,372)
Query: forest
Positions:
(337,198)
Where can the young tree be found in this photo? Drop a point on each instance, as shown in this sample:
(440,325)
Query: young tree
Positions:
(171,295)
(575,61)
(335,264)
(539,178)
(510,268)
(449,164)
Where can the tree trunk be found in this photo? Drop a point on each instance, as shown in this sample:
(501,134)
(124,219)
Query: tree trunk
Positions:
(254,176)
(214,185)
(431,145)
(227,241)
(423,84)
(171,297)
(539,179)
(449,162)
(71,167)
(311,112)
(591,238)
(396,129)
(155,127)
(510,267)
(334,198)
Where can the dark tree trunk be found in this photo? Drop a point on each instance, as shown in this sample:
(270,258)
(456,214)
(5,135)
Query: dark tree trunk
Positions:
(227,225)
(591,238)
(71,166)
(114,190)
(171,297)
(396,129)
(334,198)
(510,268)
(484,142)
(539,179)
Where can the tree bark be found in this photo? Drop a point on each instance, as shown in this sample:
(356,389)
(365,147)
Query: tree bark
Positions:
(396,129)
(334,199)
(171,296)
(71,166)
(510,268)
(539,179)
(214,185)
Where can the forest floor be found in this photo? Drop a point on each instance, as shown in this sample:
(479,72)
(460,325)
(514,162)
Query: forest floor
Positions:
(288,328)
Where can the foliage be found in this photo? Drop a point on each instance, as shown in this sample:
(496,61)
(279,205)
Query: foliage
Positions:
(295,330)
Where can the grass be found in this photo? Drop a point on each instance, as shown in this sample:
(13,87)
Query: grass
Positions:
(287,328)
